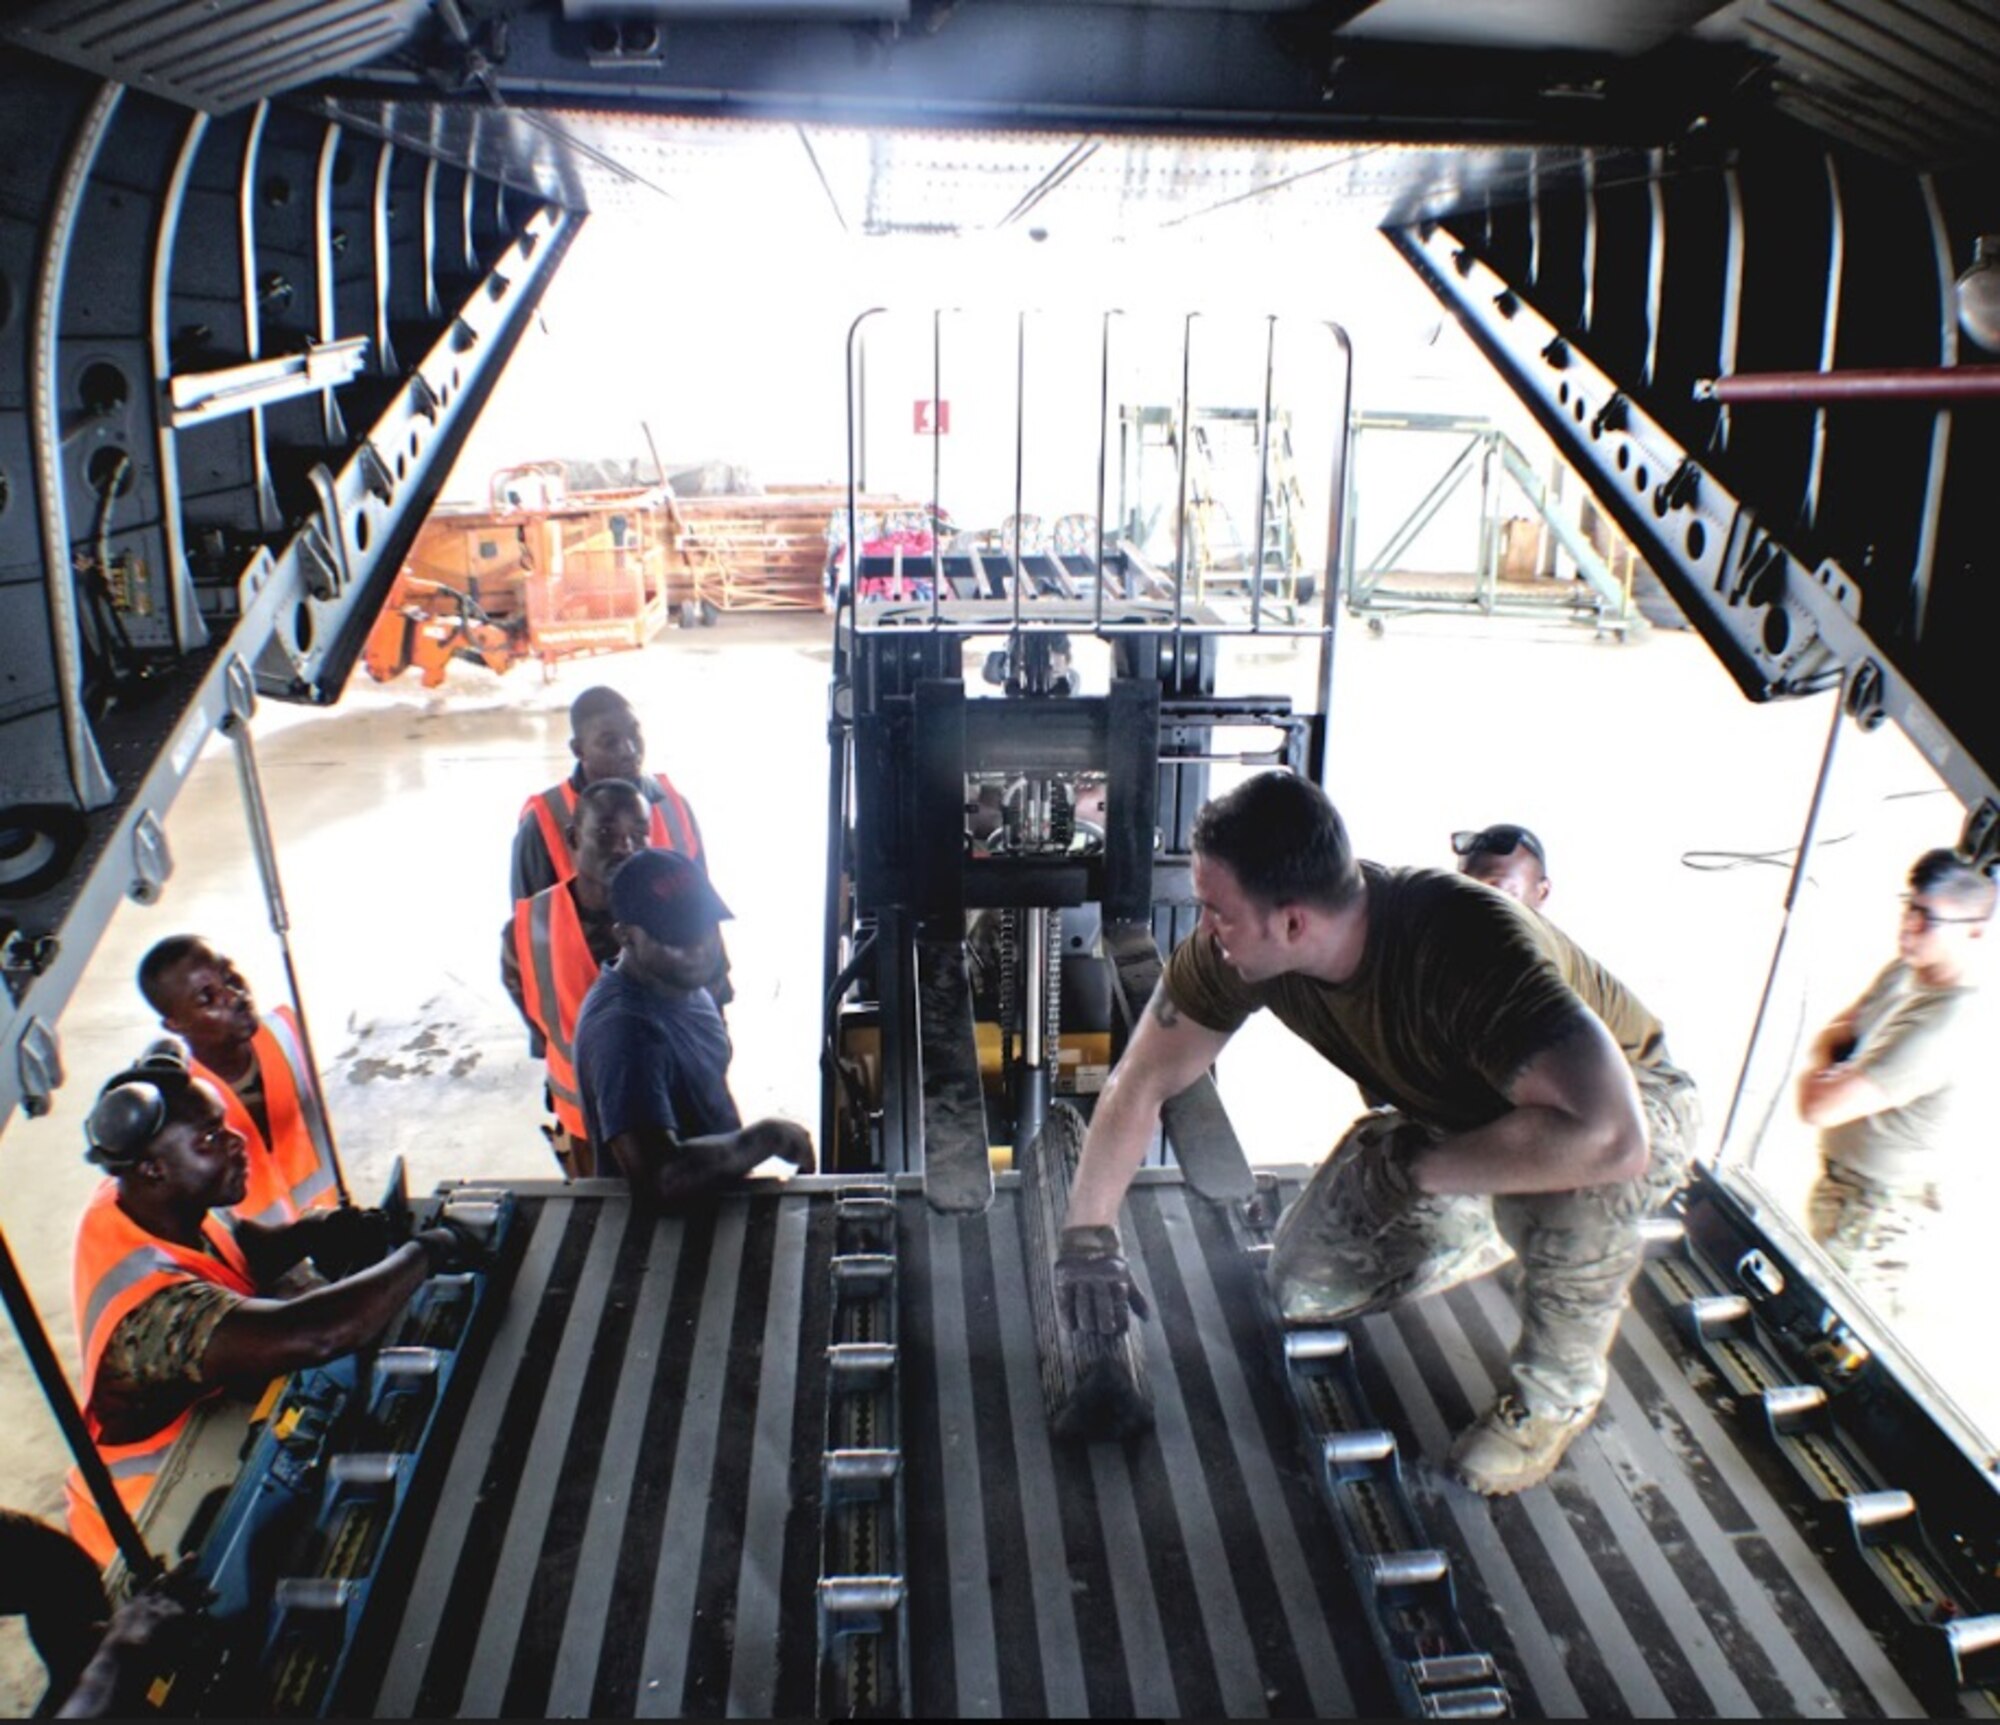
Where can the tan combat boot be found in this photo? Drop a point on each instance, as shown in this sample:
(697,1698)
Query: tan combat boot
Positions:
(1509,1447)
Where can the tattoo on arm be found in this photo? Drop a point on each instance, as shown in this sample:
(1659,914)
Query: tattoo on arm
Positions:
(1164,1009)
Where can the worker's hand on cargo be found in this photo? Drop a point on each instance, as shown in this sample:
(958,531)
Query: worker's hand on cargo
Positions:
(450,1248)
(141,1643)
(784,1139)
(140,1621)
(348,1239)
(1095,1292)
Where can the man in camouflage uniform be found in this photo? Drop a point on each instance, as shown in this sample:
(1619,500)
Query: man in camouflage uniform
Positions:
(1528,1102)
(177,1300)
(1881,1084)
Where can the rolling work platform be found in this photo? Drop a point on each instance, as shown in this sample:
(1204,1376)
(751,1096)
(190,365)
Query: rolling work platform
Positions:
(1376,590)
(659,1480)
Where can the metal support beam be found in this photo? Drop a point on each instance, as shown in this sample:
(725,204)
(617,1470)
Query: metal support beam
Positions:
(199,396)
(20,1304)
(258,814)
(1782,628)
(186,511)
(1801,872)
(1890,383)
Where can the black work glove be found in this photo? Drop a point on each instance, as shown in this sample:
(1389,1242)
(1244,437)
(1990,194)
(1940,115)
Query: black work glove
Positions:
(349,1239)
(1095,1292)
(449,1248)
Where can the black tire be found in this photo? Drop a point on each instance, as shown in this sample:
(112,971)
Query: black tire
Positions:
(38,842)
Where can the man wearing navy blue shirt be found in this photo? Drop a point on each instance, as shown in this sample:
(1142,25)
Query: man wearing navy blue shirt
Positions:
(652,1054)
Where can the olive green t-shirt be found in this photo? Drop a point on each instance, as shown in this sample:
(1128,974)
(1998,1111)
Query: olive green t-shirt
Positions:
(1459,987)
(1916,1044)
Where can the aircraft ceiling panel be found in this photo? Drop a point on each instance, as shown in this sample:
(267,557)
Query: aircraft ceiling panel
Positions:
(812,179)
(1607,26)
(1124,186)
(210,56)
(1917,81)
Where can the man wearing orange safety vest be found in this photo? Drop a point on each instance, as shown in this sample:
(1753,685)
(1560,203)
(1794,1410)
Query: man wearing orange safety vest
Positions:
(605,738)
(170,1291)
(556,942)
(260,1068)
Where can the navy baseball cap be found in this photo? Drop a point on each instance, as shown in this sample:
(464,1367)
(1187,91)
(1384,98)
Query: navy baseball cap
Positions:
(666,895)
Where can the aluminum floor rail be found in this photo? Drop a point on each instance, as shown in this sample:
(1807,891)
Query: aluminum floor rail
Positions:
(1434,1666)
(635,1514)
(864,1653)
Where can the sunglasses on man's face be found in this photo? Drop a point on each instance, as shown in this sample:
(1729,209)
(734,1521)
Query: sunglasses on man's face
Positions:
(1492,841)
(1928,918)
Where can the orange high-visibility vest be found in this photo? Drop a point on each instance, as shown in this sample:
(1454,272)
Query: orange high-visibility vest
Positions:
(672,826)
(119,1266)
(293,1172)
(557,970)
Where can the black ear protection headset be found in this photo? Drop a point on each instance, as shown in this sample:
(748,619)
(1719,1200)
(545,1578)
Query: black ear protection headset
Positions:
(133,1107)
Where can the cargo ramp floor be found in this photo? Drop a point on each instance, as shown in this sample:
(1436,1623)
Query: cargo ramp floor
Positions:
(627,1518)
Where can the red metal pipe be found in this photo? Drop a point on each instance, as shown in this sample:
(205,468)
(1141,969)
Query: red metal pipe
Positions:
(1901,383)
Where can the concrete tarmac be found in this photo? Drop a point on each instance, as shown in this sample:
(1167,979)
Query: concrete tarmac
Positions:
(394,812)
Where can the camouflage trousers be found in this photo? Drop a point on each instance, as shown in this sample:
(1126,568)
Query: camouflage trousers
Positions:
(1872,1231)
(1360,1237)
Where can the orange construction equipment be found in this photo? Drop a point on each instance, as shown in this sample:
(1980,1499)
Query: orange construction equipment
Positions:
(542,571)
(427,624)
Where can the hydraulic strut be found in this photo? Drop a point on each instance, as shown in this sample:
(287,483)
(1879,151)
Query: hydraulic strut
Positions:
(242,699)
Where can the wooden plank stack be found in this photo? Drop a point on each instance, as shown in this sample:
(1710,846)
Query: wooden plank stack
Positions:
(763,552)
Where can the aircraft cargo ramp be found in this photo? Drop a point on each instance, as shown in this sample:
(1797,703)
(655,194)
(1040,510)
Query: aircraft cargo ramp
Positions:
(749,1460)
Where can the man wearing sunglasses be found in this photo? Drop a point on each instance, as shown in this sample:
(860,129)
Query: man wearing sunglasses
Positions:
(1881,1080)
(1509,859)
(1530,1105)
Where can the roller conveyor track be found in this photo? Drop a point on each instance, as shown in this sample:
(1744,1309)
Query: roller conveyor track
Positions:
(633,1519)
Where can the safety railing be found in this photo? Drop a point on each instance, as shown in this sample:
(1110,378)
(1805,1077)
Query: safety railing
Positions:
(1002,583)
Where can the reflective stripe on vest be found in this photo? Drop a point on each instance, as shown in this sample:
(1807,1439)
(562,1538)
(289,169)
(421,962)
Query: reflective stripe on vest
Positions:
(119,1266)
(118,1263)
(133,1468)
(670,822)
(557,970)
(673,825)
(134,1267)
(553,810)
(284,1028)
(291,1172)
